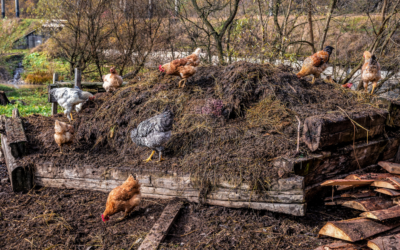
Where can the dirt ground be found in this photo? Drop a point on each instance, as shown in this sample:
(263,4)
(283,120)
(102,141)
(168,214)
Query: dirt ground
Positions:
(50,218)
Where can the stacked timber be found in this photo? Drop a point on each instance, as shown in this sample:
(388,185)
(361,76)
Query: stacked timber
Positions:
(376,195)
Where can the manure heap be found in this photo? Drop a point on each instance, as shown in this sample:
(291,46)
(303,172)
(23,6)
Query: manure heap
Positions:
(233,142)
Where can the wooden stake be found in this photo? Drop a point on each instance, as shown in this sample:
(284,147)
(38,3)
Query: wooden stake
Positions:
(78,78)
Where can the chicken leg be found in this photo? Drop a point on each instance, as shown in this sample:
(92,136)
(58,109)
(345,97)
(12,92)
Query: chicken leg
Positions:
(373,87)
(160,159)
(184,83)
(313,80)
(72,118)
(60,148)
(149,159)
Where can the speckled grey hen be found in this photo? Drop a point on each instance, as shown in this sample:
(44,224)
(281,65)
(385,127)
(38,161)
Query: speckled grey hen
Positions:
(154,133)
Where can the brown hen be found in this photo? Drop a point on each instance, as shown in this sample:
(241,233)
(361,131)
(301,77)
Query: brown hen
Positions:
(316,64)
(184,67)
(371,71)
(123,198)
(64,134)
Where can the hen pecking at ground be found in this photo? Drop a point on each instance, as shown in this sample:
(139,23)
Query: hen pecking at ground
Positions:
(123,198)
(185,67)
(371,71)
(64,134)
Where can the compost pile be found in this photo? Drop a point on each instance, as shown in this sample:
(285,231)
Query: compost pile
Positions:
(230,122)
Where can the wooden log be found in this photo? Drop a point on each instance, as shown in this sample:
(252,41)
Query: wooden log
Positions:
(384,214)
(385,184)
(371,204)
(328,165)
(394,114)
(161,228)
(391,167)
(391,242)
(338,246)
(344,182)
(355,229)
(336,202)
(332,129)
(16,135)
(3,98)
(387,192)
(360,194)
(21,178)
(394,180)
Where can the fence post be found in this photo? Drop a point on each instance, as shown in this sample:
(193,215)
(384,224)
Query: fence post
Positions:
(54,104)
(78,78)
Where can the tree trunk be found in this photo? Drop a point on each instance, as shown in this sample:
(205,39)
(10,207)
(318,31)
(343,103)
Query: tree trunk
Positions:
(220,51)
(310,24)
(328,19)
(3,98)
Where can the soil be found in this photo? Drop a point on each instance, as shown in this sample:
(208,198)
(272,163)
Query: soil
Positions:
(230,122)
(50,218)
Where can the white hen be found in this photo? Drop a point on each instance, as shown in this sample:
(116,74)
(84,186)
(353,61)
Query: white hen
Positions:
(71,98)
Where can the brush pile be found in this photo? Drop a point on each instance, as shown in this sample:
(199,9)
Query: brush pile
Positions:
(230,122)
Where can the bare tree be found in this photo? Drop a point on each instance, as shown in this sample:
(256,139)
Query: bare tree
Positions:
(210,8)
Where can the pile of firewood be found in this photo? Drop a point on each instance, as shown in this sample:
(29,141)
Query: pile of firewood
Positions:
(377,195)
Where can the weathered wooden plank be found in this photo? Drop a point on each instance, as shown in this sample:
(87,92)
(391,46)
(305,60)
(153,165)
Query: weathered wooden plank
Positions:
(391,242)
(391,167)
(293,209)
(338,246)
(355,229)
(161,228)
(192,195)
(370,204)
(344,182)
(354,195)
(389,192)
(21,178)
(294,196)
(335,128)
(384,214)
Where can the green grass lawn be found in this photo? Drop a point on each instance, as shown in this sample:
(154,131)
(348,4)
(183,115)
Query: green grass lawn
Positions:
(35,99)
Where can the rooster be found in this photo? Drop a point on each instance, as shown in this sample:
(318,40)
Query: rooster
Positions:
(154,133)
(123,198)
(64,134)
(70,98)
(371,71)
(112,81)
(185,67)
(316,64)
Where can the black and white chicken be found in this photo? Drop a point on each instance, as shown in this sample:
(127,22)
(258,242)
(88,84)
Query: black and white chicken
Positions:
(69,99)
(154,133)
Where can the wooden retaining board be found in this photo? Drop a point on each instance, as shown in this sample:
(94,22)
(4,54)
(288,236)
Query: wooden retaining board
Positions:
(288,196)
(336,128)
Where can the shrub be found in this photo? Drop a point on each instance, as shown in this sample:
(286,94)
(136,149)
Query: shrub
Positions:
(39,77)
